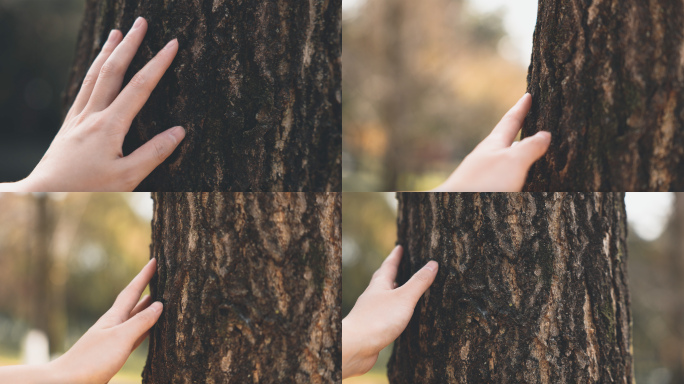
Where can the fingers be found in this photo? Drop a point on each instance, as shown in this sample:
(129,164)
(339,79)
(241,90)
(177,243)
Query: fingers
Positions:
(533,147)
(420,282)
(91,77)
(138,90)
(146,158)
(112,72)
(140,340)
(135,328)
(387,273)
(128,298)
(505,132)
(142,304)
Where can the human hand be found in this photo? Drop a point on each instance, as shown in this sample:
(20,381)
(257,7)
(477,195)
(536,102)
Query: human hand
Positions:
(381,314)
(496,165)
(101,352)
(86,154)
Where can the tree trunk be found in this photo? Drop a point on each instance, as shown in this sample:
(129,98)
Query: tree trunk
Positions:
(257,86)
(532,288)
(251,288)
(607,82)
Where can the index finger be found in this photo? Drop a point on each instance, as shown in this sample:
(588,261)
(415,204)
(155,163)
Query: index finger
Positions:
(134,96)
(387,273)
(505,132)
(128,298)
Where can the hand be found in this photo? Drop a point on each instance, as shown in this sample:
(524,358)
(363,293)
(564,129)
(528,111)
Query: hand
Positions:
(381,314)
(104,348)
(496,165)
(86,154)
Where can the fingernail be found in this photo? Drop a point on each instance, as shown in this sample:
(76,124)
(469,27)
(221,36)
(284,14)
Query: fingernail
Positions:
(544,135)
(111,34)
(138,22)
(156,306)
(178,132)
(432,265)
(171,43)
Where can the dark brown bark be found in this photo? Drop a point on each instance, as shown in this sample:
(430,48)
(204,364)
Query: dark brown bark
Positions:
(257,86)
(607,81)
(251,288)
(532,288)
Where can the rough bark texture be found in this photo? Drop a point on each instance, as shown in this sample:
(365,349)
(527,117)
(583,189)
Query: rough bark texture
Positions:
(257,86)
(607,81)
(251,288)
(532,288)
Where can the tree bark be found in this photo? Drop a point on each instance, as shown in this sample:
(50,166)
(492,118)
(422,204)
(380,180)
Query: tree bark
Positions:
(251,288)
(607,78)
(257,86)
(532,288)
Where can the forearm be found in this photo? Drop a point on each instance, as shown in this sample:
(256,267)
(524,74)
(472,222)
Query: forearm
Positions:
(18,186)
(30,374)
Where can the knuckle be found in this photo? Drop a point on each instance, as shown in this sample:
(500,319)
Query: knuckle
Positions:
(138,81)
(161,148)
(422,277)
(89,79)
(146,316)
(110,68)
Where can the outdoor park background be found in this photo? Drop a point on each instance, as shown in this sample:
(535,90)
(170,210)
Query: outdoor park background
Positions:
(654,262)
(424,82)
(63,260)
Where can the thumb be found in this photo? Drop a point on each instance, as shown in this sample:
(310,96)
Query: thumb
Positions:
(420,282)
(533,148)
(146,158)
(139,324)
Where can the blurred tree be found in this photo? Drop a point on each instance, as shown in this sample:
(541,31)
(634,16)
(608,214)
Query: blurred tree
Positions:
(423,84)
(43,307)
(257,86)
(251,288)
(607,80)
(673,347)
(93,244)
(368,235)
(531,288)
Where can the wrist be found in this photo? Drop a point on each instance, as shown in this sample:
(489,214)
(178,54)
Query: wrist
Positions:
(356,358)
(51,374)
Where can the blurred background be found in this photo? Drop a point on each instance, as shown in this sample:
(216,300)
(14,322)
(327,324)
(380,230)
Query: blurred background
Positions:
(37,45)
(424,82)
(63,260)
(656,274)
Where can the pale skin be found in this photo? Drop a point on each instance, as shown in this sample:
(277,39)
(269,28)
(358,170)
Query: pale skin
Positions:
(381,314)
(496,164)
(101,352)
(86,154)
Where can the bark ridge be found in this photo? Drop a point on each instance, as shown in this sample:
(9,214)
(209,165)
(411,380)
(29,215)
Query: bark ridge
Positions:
(251,288)
(532,288)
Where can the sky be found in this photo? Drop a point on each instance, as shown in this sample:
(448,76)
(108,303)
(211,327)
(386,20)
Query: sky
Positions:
(519,19)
